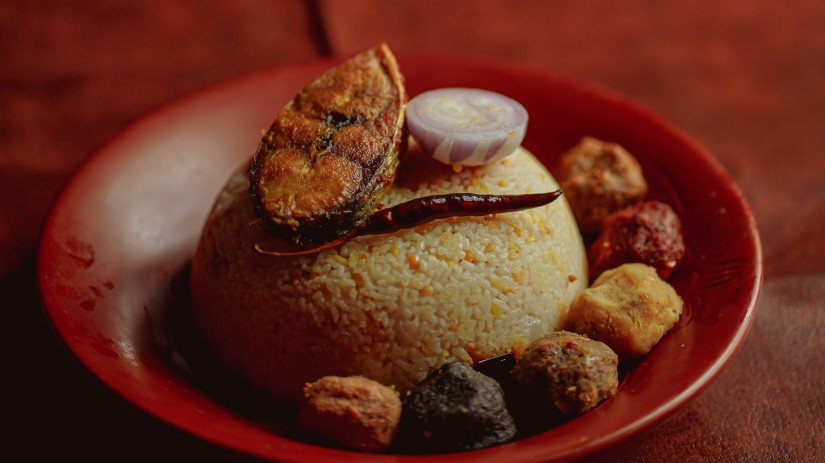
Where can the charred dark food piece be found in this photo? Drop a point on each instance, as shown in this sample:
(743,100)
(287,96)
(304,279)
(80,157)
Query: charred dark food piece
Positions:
(426,209)
(649,233)
(352,411)
(568,373)
(455,408)
(326,161)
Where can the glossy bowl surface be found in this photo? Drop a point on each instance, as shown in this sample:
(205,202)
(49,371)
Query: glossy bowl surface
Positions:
(129,219)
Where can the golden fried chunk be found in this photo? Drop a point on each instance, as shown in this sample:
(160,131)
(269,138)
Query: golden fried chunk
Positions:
(598,179)
(328,158)
(629,308)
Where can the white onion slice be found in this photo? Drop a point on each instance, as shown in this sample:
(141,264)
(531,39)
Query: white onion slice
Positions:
(466,126)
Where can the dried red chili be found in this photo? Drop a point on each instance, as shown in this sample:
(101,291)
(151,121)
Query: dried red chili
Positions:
(426,209)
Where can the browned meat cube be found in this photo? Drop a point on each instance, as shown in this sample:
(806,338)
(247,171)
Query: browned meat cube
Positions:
(598,179)
(354,412)
(568,372)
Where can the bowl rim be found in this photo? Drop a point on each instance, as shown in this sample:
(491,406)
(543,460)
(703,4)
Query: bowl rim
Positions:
(649,116)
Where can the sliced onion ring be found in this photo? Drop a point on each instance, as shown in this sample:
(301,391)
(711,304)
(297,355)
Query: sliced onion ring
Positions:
(465,125)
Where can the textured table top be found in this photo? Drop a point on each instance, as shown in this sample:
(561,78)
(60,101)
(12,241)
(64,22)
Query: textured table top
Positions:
(746,79)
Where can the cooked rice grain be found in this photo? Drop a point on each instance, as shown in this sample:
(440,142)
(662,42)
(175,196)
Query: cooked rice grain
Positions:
(390,307)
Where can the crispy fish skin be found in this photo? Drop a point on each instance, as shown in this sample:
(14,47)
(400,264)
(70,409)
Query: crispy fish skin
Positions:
(332,152)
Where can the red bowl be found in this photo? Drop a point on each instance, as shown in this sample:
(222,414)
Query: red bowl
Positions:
(131,215)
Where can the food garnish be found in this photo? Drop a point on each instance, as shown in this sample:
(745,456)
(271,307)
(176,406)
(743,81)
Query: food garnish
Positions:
(324,164)
(423,210)
(321,170)
(466,126)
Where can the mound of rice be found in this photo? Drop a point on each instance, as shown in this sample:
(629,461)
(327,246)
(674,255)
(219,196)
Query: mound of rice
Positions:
(390,307)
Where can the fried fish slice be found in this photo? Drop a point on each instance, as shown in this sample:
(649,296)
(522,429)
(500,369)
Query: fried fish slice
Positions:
(329,157)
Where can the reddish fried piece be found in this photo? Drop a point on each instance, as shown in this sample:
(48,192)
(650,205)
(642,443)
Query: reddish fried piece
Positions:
(328,158)
(352,411)
(648,232)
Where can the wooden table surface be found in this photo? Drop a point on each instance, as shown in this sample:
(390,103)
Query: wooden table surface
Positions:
(746,79)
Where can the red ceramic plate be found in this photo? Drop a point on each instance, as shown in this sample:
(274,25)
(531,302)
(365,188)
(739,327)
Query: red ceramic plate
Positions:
(130,217)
